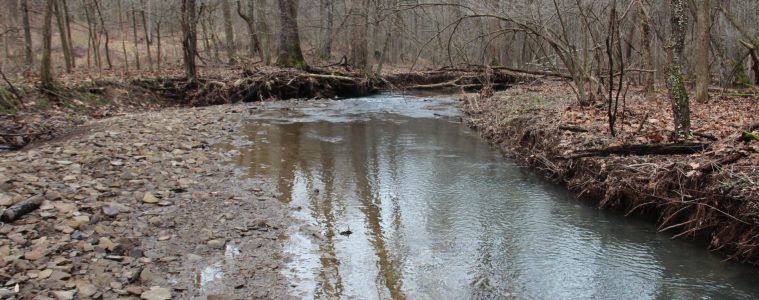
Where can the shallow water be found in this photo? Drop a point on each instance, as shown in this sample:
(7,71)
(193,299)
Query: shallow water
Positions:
(436,213)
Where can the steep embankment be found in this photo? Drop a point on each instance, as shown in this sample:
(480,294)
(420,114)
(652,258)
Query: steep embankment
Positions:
(710,193)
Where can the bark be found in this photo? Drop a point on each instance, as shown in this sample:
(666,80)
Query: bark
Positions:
(134,36)
(67,21)
(46,76)
(22,208)
(675,85)
(189,39)
(328,8)
(123,40)
(147,37)
(359,23)
(229,33)
(265,37)
(28,56)
(702,52)
(254,45)
(289,53)
(158,43)
(63,35)
(645,49)
(104,30)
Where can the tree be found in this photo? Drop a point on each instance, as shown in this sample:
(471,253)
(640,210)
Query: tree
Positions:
(678,95)
(254,45)
(46,76)
(359,23)
(229,33)
(189,39)
(64,37)
(703,21)
(29,58)
(289,53)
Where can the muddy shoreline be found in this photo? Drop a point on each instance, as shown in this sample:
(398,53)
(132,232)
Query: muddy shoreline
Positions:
(706,196)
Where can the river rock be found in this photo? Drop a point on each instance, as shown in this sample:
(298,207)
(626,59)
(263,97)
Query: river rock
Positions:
(63,295)
(156,293)
(149,198)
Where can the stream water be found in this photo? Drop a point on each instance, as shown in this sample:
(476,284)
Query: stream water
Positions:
(434,212)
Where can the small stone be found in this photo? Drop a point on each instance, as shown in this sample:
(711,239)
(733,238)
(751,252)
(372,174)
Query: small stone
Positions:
(106,243)
(149,198)
(156,293)
(44,274)
(85,289)
(134,290)
(216,243)
(63,295)
(193,257)
(116,285)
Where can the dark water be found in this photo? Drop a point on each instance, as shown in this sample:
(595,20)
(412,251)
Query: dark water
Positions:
(435,213)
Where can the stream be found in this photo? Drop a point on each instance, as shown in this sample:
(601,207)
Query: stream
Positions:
(394,198)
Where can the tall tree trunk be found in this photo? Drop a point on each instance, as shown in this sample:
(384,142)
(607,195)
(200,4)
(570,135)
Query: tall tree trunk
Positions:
(94,36)
(703,78)
(328,8)
(158,43)
(147,37)
(645,49)
(28,56)
(63,35)
(134,35)
(229,33)
(67,21)
(290,54)
(253,42)
(189,39)
(123,40)
(104,30)
(359,22)
(46,75)
(675,85)
(265,36)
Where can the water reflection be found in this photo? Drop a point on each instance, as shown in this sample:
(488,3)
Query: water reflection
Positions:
(437,214)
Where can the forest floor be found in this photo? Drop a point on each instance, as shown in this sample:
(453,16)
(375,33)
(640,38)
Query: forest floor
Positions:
(711,193)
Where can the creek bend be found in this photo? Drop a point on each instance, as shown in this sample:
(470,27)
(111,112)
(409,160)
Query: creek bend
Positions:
(434,212)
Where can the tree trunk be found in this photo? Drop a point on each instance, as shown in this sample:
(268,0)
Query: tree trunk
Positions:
(67,21)
(359,21)
(63,35)
(675,85)
(107,38)
(147,37)
(28,56)
(645,49)
(229,33)
(46,75)
(189,39)
(265,37)
(290,54)
(134,35)
(94,36)
(253,42)
(123,40)
(158,43)
(328,7)
(703,23)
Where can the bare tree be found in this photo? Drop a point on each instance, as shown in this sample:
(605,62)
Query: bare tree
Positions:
(46,75)
(290,54)
(189,39)
(703,43)
(229,33)
(675,84)
(254,45)
(29,58)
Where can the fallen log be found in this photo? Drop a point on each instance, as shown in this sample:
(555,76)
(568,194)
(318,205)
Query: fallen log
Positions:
(18,210)
(572,128)
(713,165)
(642,149)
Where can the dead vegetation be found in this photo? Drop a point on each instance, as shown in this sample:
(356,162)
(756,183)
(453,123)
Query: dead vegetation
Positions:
(710,191)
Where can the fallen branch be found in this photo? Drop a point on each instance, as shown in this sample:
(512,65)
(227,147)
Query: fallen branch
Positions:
(642,149)
(18,210)
(713,165)
(572,128)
